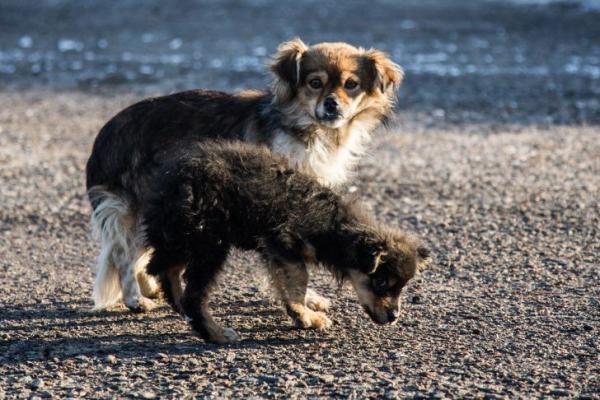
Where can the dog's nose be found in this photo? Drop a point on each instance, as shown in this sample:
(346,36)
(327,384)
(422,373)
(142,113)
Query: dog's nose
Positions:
(393,315)
(331,105)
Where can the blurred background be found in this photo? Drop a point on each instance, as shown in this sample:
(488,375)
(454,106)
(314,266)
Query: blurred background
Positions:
(533,61)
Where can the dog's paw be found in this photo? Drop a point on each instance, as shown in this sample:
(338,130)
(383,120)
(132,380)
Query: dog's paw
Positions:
(227,335)
(140,305)
(231,335)
(316,302)
(313,320)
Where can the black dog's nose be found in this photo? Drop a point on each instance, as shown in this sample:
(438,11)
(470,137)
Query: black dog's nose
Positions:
(393,315)
(330,105)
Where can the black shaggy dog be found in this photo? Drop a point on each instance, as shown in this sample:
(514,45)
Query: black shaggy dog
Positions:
(218,195)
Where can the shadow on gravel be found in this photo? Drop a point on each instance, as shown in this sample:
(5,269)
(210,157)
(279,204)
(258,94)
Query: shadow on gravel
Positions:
(128,346)
(63,331)
(32,348)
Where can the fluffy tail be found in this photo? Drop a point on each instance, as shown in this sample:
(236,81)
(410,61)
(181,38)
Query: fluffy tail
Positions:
(112,224)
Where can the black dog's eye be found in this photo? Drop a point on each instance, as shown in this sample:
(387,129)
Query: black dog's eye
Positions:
(315,83)
(380,285)
(350,84)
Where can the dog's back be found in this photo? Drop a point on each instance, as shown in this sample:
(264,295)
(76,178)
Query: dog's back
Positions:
(169,124)
(236,193)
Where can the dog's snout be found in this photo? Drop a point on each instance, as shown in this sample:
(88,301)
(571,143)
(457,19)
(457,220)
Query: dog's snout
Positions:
(330,105)
(329,110)
(393,315)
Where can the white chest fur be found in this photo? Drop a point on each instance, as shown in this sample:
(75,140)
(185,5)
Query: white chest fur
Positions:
(332,163)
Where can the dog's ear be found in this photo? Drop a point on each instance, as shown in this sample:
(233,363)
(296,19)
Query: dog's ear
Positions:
(370,254)
(377,259)
(385,75)
(286,68)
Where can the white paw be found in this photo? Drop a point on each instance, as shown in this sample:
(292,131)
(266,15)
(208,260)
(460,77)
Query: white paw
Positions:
(316,302)
(140,304)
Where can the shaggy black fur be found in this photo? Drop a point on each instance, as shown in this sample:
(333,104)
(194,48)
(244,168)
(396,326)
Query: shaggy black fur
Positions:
(216,195)
(131,145)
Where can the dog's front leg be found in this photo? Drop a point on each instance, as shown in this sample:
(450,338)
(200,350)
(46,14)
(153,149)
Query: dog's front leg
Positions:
(290,281)
(316,302)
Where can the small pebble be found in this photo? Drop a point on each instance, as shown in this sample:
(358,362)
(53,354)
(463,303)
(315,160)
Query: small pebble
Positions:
(37,383)
(111,359)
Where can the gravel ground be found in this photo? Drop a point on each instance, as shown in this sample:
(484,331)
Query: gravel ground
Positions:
(493,159)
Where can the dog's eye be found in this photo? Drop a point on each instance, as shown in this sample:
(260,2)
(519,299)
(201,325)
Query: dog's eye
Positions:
(380,285)
(316,83)
(350,84)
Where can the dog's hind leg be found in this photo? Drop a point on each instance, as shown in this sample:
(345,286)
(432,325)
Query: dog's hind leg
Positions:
(290,281)
(113,222)
(106,291)
(200,276)
(148,285)
(167,269)
(132,296)
(108,226)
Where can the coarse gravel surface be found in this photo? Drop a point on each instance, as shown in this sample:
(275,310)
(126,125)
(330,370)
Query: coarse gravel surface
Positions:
(493,159)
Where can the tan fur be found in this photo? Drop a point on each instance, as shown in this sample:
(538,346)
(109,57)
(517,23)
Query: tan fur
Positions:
(380,306)
(148,285)
(316,302)
(330,149)
(306,318)
(291,282)
(176,287)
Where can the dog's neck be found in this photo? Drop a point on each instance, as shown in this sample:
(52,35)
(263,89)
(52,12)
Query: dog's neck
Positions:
(347,246)
(327,153)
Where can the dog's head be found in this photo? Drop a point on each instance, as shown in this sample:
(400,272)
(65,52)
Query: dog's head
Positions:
(332,84)
(388,259)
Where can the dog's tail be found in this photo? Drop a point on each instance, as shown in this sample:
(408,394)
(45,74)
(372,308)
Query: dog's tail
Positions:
(113,225)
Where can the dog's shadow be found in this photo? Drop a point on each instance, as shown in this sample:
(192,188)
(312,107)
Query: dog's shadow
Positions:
(67,330)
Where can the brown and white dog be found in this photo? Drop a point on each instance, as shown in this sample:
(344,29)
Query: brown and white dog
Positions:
(324,103)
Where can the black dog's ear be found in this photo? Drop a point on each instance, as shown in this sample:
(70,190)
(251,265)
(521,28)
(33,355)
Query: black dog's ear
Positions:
(371,253)
(286,68)
(384,74)
(377,258)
